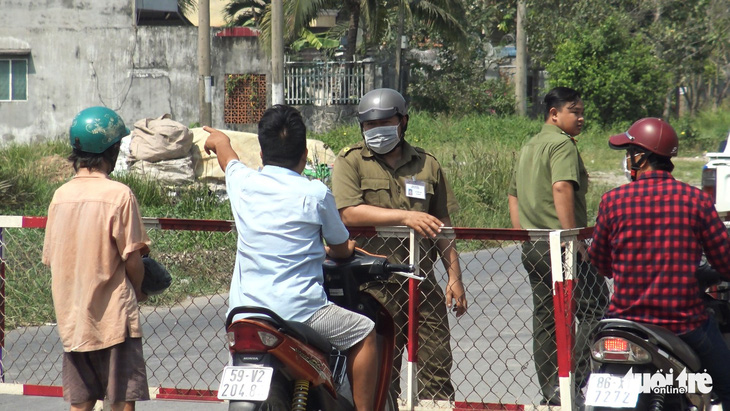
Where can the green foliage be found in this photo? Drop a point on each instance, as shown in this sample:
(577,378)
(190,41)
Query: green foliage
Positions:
(457,85)
(706,130)
(691,38)
(315,41)
(617,74)
(452,93)
(28,179)
(245,13)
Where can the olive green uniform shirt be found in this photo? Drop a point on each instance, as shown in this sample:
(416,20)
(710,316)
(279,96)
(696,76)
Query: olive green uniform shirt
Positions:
(361,177)
(548,157)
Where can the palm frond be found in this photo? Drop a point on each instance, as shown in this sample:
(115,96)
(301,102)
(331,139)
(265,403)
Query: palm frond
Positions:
(446,18)
(186,6)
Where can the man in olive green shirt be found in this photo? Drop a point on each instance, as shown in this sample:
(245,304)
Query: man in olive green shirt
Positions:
(384,181)
(547,191)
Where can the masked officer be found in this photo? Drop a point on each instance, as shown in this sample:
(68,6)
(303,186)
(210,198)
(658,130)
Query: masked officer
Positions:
(384,181)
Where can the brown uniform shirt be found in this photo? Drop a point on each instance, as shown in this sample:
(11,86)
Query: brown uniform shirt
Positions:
(93,225)
(361,177)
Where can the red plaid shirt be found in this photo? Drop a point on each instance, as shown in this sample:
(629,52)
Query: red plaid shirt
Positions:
(649,237)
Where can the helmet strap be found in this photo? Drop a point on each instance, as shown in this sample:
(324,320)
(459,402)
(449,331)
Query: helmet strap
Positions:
(636,165)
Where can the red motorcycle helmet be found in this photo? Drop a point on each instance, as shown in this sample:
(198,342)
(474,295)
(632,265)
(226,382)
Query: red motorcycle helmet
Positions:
(652,134)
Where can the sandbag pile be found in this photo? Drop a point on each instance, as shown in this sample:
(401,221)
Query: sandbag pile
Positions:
(165,150)
(160,149)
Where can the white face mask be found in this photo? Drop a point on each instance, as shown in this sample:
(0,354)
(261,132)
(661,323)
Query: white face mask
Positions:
(627,172)
(382,140)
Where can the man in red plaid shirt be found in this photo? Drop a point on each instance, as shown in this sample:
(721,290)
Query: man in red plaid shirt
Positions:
(650,235)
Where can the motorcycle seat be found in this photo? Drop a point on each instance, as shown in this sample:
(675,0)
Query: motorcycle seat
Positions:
(311,337)
(666,339)
(300,331)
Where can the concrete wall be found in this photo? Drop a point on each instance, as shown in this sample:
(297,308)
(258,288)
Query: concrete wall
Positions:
(86,53)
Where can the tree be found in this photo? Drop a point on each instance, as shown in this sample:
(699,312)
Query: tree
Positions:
(257,13)
(186,6)
(442,16)
(690,36)
(619,77)
(245,13)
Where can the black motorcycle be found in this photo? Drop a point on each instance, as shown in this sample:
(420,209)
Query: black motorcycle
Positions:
(646,367)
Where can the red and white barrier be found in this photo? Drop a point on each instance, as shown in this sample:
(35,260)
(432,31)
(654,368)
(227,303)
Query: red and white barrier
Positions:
(562,291)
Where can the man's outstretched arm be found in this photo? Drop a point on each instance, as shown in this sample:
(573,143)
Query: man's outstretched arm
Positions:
(219,144)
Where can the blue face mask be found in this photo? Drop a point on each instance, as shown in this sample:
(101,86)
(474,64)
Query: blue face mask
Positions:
(382,140)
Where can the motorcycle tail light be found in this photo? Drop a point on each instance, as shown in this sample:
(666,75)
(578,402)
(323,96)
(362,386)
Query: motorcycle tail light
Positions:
(616,349)
(247,337)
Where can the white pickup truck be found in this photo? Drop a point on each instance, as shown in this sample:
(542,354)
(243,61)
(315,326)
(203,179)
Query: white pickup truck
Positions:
(716,177)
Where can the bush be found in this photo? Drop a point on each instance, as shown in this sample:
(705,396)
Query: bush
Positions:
(616,73)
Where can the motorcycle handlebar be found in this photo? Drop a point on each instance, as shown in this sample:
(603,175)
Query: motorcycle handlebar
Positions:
(391,268)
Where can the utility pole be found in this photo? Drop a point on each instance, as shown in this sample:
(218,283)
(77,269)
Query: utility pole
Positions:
(204,78)
(521,63)
(277,52)
(399,47)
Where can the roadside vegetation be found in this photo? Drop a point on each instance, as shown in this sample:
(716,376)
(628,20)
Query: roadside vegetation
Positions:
(476,150)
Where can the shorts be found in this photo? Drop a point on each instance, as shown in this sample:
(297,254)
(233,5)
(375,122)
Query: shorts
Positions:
(117,372)
(341,327)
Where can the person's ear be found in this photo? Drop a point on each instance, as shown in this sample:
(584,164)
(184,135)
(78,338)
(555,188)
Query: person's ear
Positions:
(553,114)
(404,123)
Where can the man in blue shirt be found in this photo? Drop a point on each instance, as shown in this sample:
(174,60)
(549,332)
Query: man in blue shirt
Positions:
(281,218)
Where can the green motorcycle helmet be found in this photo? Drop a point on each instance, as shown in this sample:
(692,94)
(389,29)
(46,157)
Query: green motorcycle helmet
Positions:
(95,129)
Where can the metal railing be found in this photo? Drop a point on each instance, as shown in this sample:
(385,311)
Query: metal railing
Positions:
(324,83)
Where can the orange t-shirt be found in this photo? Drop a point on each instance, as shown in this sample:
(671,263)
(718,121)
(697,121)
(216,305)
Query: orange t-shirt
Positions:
(93,225)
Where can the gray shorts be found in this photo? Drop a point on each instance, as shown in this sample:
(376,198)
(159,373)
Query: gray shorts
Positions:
(117,372)
(342,328)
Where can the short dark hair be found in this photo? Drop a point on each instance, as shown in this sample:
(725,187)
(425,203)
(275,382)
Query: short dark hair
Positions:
(656,162)
(93,161)
(558,97)
(282,136)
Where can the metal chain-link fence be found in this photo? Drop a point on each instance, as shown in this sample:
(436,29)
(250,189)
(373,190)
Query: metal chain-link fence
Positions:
(484,356)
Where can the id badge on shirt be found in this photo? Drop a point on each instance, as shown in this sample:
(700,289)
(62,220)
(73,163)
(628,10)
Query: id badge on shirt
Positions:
(416,189)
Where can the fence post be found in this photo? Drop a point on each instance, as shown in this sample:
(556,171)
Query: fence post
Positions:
(563,301)
(413,258)
(2,305)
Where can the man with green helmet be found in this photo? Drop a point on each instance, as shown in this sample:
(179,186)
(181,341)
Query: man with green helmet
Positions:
(94,244)
(384,181)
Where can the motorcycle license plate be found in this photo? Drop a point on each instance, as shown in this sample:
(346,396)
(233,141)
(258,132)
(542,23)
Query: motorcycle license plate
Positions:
(611,391)
(245,383)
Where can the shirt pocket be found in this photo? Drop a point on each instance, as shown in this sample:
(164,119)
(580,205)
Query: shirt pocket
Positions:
(418,204)
(376,191)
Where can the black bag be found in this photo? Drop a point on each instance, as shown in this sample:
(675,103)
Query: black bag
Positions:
(156,277)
